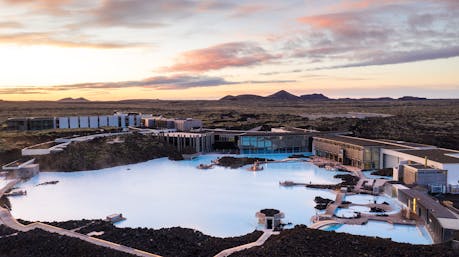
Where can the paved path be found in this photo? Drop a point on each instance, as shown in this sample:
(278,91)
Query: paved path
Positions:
(322,223)
(8,220)
(331,208)
(261,240)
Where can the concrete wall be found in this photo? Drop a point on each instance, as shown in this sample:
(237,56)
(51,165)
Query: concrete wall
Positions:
(453,173)
(423,177)
(388,161)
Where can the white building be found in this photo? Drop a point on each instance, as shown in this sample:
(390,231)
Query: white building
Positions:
(437,159)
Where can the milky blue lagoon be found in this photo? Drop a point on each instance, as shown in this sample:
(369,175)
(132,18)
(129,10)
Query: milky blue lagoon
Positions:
(163,193)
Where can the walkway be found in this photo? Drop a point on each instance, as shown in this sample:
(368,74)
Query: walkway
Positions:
(331,208)
(260,241)
(8,220)
(323,223)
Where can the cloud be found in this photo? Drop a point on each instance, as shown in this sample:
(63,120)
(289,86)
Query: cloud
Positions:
(402,57)
(221,56)
(365,32)
(248,9)
(175,82)
(10,25)
(55,7)
(49,39)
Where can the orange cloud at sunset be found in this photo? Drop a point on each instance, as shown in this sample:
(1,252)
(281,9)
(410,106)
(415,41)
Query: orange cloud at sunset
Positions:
(221,56)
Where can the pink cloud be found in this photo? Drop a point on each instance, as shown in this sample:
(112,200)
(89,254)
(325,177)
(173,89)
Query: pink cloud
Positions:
(221,56)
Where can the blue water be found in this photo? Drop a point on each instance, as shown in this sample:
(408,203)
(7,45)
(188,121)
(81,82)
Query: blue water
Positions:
(163,193)
(397,233)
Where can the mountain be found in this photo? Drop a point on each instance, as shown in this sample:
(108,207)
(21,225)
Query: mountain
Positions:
(314,97)
(368,99)
(281,95)
(284,96)
(73,100)
(411,98)
(242,97)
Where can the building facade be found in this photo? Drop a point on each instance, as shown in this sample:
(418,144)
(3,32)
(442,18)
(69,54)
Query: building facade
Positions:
(119,120)
(269,142)
(348,150)
(184,141)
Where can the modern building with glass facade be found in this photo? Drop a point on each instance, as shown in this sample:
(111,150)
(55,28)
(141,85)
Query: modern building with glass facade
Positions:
(357,152)
(269,142)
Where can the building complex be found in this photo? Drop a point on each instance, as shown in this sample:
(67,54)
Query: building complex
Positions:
(412,164)
(117,120)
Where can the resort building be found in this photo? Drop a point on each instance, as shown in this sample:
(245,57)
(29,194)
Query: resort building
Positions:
(165,123)
(441,222)
(31,123)
(117,120)
(261,142)
(412,163)
(201,142)
(346,150)
(443,164)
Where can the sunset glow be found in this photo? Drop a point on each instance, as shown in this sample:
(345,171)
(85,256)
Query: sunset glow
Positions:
(186,49)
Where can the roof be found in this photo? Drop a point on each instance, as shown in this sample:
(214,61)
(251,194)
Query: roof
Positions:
(437,154)
(420,166)
(352,140)
(403,143)
(270,133)
(437,210)
(270,212)
(449,223)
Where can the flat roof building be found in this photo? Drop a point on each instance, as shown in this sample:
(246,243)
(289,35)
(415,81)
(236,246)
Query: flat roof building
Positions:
(357,152)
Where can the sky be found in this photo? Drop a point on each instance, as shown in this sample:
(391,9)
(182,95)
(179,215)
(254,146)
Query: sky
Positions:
(187,49)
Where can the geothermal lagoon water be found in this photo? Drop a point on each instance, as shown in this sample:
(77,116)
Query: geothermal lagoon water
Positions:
(163,193)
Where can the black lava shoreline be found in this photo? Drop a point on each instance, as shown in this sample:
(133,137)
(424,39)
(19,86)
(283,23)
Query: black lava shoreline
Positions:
(176,241)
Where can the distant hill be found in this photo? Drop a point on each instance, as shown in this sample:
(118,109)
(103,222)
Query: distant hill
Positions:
(314,97)
(411,98)
(242,97)
(73,100)
(284,96)
(368,99)
(281,95)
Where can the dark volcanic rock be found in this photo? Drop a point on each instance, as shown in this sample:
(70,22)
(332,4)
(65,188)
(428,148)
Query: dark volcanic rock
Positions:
(322,203)
(100,153)
(172,242)
(388,172)
(304,242)
(39,243)
(234,163)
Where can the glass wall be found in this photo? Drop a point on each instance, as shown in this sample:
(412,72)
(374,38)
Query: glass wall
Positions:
(273,143)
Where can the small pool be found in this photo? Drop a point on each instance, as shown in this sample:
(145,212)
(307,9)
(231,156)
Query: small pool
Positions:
(351,211)
(398,233)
